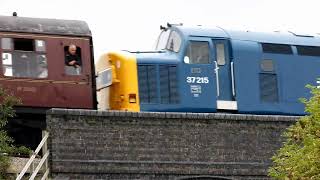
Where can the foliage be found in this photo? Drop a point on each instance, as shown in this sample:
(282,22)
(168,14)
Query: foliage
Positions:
(21,151)
(299,158)
(4,164)
(6,147)
(6,111)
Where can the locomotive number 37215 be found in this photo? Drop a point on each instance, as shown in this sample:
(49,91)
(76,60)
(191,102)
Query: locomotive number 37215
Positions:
(198,80)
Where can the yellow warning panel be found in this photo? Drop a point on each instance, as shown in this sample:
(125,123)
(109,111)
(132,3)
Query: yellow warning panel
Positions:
(123,93)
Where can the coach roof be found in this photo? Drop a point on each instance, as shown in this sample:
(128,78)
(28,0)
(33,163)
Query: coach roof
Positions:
(44,26)
(272,37)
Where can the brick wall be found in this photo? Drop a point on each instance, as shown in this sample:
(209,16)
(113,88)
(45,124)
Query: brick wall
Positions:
(89,144)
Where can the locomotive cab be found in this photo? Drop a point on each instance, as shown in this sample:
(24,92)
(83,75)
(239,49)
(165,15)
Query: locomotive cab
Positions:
(196,78)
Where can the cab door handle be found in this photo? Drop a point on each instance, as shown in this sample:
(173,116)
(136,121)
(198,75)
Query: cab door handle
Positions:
(232,79)
(216,70)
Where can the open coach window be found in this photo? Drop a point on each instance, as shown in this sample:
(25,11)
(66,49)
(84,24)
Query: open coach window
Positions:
(24,58)
(72,60)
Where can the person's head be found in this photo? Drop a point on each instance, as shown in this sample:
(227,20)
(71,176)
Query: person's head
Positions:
(72,49)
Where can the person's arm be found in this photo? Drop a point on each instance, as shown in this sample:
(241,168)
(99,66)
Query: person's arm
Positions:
(78,61)
(66,60)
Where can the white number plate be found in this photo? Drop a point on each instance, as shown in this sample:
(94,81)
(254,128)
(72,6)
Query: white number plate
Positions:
(198,80)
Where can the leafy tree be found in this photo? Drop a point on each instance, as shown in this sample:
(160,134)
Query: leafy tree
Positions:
(299,158)
(6,111)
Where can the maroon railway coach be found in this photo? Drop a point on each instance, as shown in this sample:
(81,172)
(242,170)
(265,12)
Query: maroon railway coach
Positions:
(33,66)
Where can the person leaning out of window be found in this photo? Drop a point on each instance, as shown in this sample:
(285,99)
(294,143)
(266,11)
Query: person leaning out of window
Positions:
(72,59)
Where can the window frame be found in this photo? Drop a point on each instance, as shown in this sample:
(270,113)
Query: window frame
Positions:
(218,53)
(67,69)
(1,38)
(175,34)
(305,50)
(37,54)
(163,40)
(272,49)
(187,51)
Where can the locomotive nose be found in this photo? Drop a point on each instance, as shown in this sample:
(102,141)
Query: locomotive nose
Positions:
(121,91)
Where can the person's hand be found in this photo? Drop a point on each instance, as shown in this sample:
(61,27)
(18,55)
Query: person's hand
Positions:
(72,63)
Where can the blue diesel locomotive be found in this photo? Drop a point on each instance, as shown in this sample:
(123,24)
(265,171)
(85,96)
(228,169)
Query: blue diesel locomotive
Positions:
(207,70)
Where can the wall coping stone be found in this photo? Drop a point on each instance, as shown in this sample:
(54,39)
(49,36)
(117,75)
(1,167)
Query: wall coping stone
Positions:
(173,115)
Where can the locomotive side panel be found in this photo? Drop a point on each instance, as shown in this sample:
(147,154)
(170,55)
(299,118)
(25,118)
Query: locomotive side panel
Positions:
(270,78)
(246,74)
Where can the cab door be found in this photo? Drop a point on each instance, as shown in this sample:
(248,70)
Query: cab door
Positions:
(199,87)
(223,66)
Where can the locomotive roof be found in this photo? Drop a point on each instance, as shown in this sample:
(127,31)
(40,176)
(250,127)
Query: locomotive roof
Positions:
(272,37)
(44,26)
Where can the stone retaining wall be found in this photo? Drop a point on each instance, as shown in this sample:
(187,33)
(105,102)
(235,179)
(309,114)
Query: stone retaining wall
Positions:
(89,144)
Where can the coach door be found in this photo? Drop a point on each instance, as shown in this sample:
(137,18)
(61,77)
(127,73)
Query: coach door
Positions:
(223,67)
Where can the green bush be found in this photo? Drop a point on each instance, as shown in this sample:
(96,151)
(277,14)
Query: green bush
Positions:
(6,147)
(299,158)
(21,151)
(4,164)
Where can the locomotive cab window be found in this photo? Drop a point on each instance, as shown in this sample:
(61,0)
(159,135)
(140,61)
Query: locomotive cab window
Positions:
(174,42)
(162,40)
(21,58)
(198,52)
(72,60)
(221,59)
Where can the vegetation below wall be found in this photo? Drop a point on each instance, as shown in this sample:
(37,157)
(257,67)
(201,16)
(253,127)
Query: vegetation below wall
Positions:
(299,158)
(6,143)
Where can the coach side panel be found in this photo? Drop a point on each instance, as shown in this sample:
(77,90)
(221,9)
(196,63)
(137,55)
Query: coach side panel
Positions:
(33,69)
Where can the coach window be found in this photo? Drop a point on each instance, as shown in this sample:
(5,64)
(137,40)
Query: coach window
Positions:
(6,56)
(198,52)
(7,64)
(24,58)
(174,42)
(40,46)
(6,43)
(73,62)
